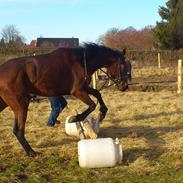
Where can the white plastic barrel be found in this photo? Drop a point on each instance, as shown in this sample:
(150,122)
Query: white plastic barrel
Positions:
(101,152)
(72,128)
(89,124)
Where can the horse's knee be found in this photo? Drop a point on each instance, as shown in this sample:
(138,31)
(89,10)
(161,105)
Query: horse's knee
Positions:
(92,106)
(17,132)
(103,109)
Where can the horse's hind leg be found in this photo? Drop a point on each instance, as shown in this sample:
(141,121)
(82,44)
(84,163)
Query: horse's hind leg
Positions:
(3,105)
(83,96)
(19,130)
(19,105)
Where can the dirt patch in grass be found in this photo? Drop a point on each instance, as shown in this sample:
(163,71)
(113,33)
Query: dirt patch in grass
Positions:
(149,79)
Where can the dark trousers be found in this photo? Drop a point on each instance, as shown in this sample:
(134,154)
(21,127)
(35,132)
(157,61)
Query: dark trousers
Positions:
(58,103)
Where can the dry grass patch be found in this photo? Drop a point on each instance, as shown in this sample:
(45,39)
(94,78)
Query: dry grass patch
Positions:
(153,71)
(149,126)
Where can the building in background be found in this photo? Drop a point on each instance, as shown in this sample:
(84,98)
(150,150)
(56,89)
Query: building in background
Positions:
(57,42)
(33,44)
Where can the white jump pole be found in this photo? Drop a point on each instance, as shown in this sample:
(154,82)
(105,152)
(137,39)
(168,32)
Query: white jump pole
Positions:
(179,87)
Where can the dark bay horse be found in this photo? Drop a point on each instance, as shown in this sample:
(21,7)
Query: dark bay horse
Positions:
(65,71)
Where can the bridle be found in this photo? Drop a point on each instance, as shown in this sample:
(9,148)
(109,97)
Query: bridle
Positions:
(117,70)
(115,81)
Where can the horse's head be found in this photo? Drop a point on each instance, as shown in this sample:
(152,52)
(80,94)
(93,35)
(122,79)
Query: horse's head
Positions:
(120,71)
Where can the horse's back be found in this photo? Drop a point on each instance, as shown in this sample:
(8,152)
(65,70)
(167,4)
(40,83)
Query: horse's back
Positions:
(49,74)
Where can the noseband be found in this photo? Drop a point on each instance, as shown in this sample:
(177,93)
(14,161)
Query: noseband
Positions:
(126,73)
(118,70)
(119,79)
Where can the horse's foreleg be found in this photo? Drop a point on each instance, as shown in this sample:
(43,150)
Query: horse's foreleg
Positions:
(103,108)
(83,96)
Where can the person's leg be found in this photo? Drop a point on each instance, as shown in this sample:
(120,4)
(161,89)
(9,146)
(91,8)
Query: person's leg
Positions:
(63,102)
(55,110)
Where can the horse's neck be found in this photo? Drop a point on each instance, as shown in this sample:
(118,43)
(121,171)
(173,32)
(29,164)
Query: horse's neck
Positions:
(94,63)
(94,67)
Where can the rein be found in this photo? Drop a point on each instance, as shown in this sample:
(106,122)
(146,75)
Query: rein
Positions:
(113,80)
(118,68)
(85,66)
(116,81)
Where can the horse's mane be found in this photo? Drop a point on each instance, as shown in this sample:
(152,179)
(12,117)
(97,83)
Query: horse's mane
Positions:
(95,48)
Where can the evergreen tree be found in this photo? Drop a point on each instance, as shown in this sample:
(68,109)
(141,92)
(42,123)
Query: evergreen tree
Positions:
(169,32)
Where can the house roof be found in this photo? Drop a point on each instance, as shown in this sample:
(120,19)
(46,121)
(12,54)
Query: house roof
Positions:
(57,42)
(33,43)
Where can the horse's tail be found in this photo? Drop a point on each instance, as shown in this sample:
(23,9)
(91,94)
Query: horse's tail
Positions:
(3,104)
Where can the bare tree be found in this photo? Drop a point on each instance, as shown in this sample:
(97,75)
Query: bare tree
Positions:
(11,36)
(129,38)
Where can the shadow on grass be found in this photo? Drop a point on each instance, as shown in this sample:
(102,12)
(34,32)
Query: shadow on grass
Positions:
(152,137)
(130,155)
(55,143)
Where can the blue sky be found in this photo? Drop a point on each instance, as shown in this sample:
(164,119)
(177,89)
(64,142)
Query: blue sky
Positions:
(85,19)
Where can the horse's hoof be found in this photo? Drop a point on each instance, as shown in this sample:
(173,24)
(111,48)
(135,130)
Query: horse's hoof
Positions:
(31,154)
(72,119)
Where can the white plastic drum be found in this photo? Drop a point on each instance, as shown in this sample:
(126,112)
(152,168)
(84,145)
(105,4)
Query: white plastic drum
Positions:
(90,127)
(101,152)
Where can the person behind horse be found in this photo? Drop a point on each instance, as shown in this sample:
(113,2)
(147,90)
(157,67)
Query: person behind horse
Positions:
(58,103)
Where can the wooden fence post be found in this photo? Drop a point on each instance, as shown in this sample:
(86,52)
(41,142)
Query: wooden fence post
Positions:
(179,76)
(96,73)
(159,60)
(94,82)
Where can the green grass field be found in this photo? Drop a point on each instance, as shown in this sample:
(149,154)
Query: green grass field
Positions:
(149,126)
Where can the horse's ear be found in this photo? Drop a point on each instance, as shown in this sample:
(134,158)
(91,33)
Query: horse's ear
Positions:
(124,51)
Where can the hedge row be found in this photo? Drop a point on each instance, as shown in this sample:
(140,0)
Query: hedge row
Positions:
(150,58)
(140,58)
